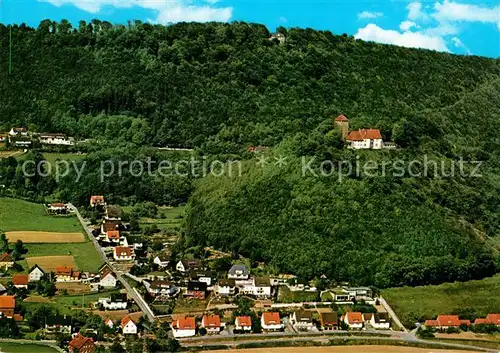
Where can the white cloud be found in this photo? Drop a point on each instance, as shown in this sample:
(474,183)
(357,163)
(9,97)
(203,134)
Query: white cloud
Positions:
(167,11)
(415,11)
(407,25)
(452,11)
(459,44)
(372,32)
(369,15)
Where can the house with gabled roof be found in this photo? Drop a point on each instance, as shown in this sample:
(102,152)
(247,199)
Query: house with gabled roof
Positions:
(123,253)
(271,321)
(81,344)
(354,320)
(243,323)
(211,323)
(97,200)
(113,236)
(187,265)
(491,319)
(128,326)
(238,271)
(109,323)
(20,281)
(6,261)
(302,320)
(162,260)
(116,301)
(107,277)
(196,290)
(35,273)
(66,274)
(7,305)
(365,139)
(329,321)
(225,287)
(380,321)
(184,327)
(444,322)
(55,324)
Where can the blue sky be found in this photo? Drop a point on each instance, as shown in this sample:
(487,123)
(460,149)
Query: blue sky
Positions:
(461,27)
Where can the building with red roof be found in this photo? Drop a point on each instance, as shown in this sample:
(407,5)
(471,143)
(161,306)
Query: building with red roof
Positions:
(271,321)
(342,123)
(491,319)
(354,320)
(20,281)
(243,323)
(7,305)
(6,261)
(443,322)
(365,139)
(81,344)
(113,236)
(211,323)
(184,327)
(97,200)
(123,253)
(128,326)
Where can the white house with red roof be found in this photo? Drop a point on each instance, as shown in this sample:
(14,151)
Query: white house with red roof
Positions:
(443,322)
(97,200)
(271,321)
(354,320)
(211,323)
(184,327)
(491,319)
(123,253)
(365,139)
(107,278)
(128,326)
(109,323)
(243,323)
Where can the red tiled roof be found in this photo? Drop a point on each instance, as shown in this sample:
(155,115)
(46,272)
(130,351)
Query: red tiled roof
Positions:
(97,198)
(448,320)
(64,270)
(271,318)
(108,321)
(79,341)
(123,251)
(354,317)
(364,134)
(113,234)
(243,321)
(125,321)
(6,258)
(493,319)
(20,280)
(480,321)
(18,317)
(211,320)
(431,323)
(186,323)
(55,204)
(7,302)
(341,117)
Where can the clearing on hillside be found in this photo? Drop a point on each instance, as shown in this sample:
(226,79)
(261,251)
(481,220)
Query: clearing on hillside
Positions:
(49,263)
(45,237)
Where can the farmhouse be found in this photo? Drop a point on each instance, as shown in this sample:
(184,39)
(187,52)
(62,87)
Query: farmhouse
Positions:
(107,277)
(162,260)
(270,321)
(491,319)
(243,323)
(211,323)
(301,320)
(117,301)
(238,272)
(123,253)
(56,139)
(113,236)
(55,324)
(184,327)
(354,320)
(6,261)
(66,274)
(58,208)
(329,321)
(81,344)
(128,326)
(20,281)
(7,305)
(97,200)
(443,322)
(184,266)
(196,290)
(226,287)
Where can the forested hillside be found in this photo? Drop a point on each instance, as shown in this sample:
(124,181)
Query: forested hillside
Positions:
(223,87)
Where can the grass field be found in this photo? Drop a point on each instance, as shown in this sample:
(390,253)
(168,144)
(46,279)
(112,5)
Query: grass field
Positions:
(45,237)
(18,215)
(172,219)
(183,306)
(6,154)
(49,263)
(85,255)
(7,347)
(52,158)
(412,303)
(285,295)
(342,349)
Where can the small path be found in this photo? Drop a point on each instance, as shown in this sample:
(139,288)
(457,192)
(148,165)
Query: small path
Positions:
(392,314)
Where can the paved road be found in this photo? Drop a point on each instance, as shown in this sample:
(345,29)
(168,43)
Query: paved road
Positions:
(132,292)
(392,314)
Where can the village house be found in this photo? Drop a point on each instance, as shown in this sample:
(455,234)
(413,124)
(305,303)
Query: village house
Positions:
(185,266)
(354,320)
(18,131)
(196,290)
(128,326)
(7,306)
(302,320)
(238,272)
(110,225)
(329,321)
(107,277)
(20,281)
(365,139)
(256,286)
(359,293)
(58,324)
(243,323)
(270,321)
(380,321)
(116,301)
(66,274)
(162,260)
(211,323)
(81,344)
(97,200)
(113,213)
(56,139)
(225,287)
(6,261)
(491,319)
(109,323)
(184,327)
(58,208)
(123,253)
(444,322)
(202,276)
(162,288)
(113,236)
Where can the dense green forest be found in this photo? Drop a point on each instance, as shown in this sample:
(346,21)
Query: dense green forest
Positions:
(223,87)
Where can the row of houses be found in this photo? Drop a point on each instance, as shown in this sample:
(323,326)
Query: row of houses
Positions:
(444,322)
(20,137)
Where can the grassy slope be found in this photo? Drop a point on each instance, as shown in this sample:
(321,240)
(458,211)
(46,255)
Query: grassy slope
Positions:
(169,222)
(428,301)
(24,348)
(18,215)
(54,157)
